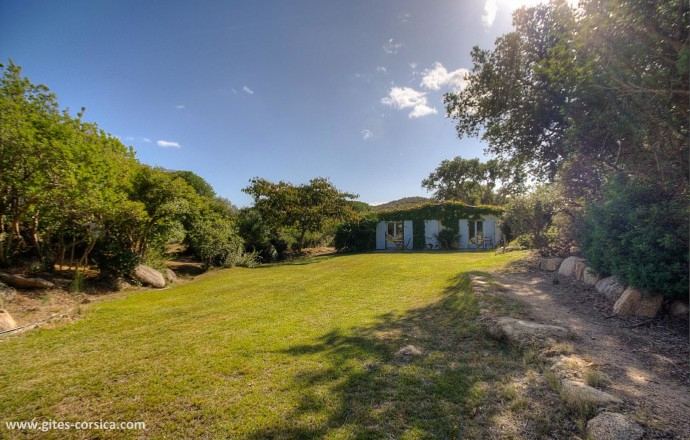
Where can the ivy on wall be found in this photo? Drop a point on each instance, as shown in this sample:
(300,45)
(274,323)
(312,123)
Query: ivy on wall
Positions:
(448,213)
(352,235)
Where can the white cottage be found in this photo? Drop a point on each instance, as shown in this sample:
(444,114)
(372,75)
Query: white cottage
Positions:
(480,232)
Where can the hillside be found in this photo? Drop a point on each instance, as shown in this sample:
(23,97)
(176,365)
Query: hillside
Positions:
(406,202)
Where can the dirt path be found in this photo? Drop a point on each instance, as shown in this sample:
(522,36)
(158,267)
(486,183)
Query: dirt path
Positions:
(646,360)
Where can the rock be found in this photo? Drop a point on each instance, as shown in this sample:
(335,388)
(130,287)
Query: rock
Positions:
(569,266)
(6,321)
(409,350)
(149,276)
(550,264)
(7,293)
(578,392)
(170,275)
(590,277)
(613,426)
(678,308)
(523,333)
(610,287)
(23,282)
(580,269)
(633,302)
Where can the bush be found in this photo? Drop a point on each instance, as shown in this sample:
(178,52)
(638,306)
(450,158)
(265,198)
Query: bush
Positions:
(639,233)
(214,240)
(447,237)
(356,236)
(114,259)
(539,220)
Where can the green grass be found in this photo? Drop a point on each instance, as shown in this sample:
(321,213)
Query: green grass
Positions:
(299,350)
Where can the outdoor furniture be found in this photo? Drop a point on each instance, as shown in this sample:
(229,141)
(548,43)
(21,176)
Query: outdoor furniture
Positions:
(488,243)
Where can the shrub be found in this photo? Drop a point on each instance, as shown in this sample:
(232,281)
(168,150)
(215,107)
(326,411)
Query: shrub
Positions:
(447,237)
(214,240)
(639,233)
(114,258)
(356,236)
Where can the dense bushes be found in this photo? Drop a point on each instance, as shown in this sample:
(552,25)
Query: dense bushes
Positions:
(639,233)
(72,194)
(356,236)
(540,220)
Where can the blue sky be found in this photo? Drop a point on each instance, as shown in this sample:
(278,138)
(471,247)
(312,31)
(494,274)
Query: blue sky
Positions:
(284,90)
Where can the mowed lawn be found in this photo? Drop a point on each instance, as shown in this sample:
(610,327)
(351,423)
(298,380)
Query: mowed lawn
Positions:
(307,349)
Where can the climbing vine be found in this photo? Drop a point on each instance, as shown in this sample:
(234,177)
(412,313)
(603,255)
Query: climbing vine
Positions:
(448,213)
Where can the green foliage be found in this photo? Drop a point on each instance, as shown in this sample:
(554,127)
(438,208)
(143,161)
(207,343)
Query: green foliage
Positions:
(360,235)
(268,245)
(306,207)
(448,213)
(539,220)
(357,235)
(447,237)
(474,182)
(639,233)
(114,258)
(598,91)
(404,203)
(68,189)
(215,241)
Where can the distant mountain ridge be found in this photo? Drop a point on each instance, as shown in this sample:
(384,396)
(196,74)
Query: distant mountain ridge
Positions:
(405,202)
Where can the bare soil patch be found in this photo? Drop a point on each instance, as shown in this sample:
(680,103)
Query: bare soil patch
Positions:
(646,360)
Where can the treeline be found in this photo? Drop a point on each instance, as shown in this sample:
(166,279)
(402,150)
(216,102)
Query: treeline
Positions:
(70,194)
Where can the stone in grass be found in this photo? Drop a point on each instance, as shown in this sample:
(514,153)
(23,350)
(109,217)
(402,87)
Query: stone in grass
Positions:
(409,351)
(149,276)
(613,426)
(523,333)
(7,293)
(170,275)
(578,392)
(6,321)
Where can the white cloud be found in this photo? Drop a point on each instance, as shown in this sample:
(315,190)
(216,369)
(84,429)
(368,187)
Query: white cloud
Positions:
(490,10)
(422,110)
(405,97)
(391,47)
(438,77)
(247,90)
(367,134)
(404,17)
(179,107)
(382,69)
(138,138)
(168,144)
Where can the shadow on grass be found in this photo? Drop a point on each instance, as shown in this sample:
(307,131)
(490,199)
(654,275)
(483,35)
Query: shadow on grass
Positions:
(366,382)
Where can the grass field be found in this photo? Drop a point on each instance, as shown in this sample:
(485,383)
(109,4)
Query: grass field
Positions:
(300,350)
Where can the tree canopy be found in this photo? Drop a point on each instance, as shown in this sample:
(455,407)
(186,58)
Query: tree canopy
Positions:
(585,92)
(473,182)
(305,207)
(68,189)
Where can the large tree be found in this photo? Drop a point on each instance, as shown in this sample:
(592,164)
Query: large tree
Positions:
(305,207)
(585,93)
(474,182)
